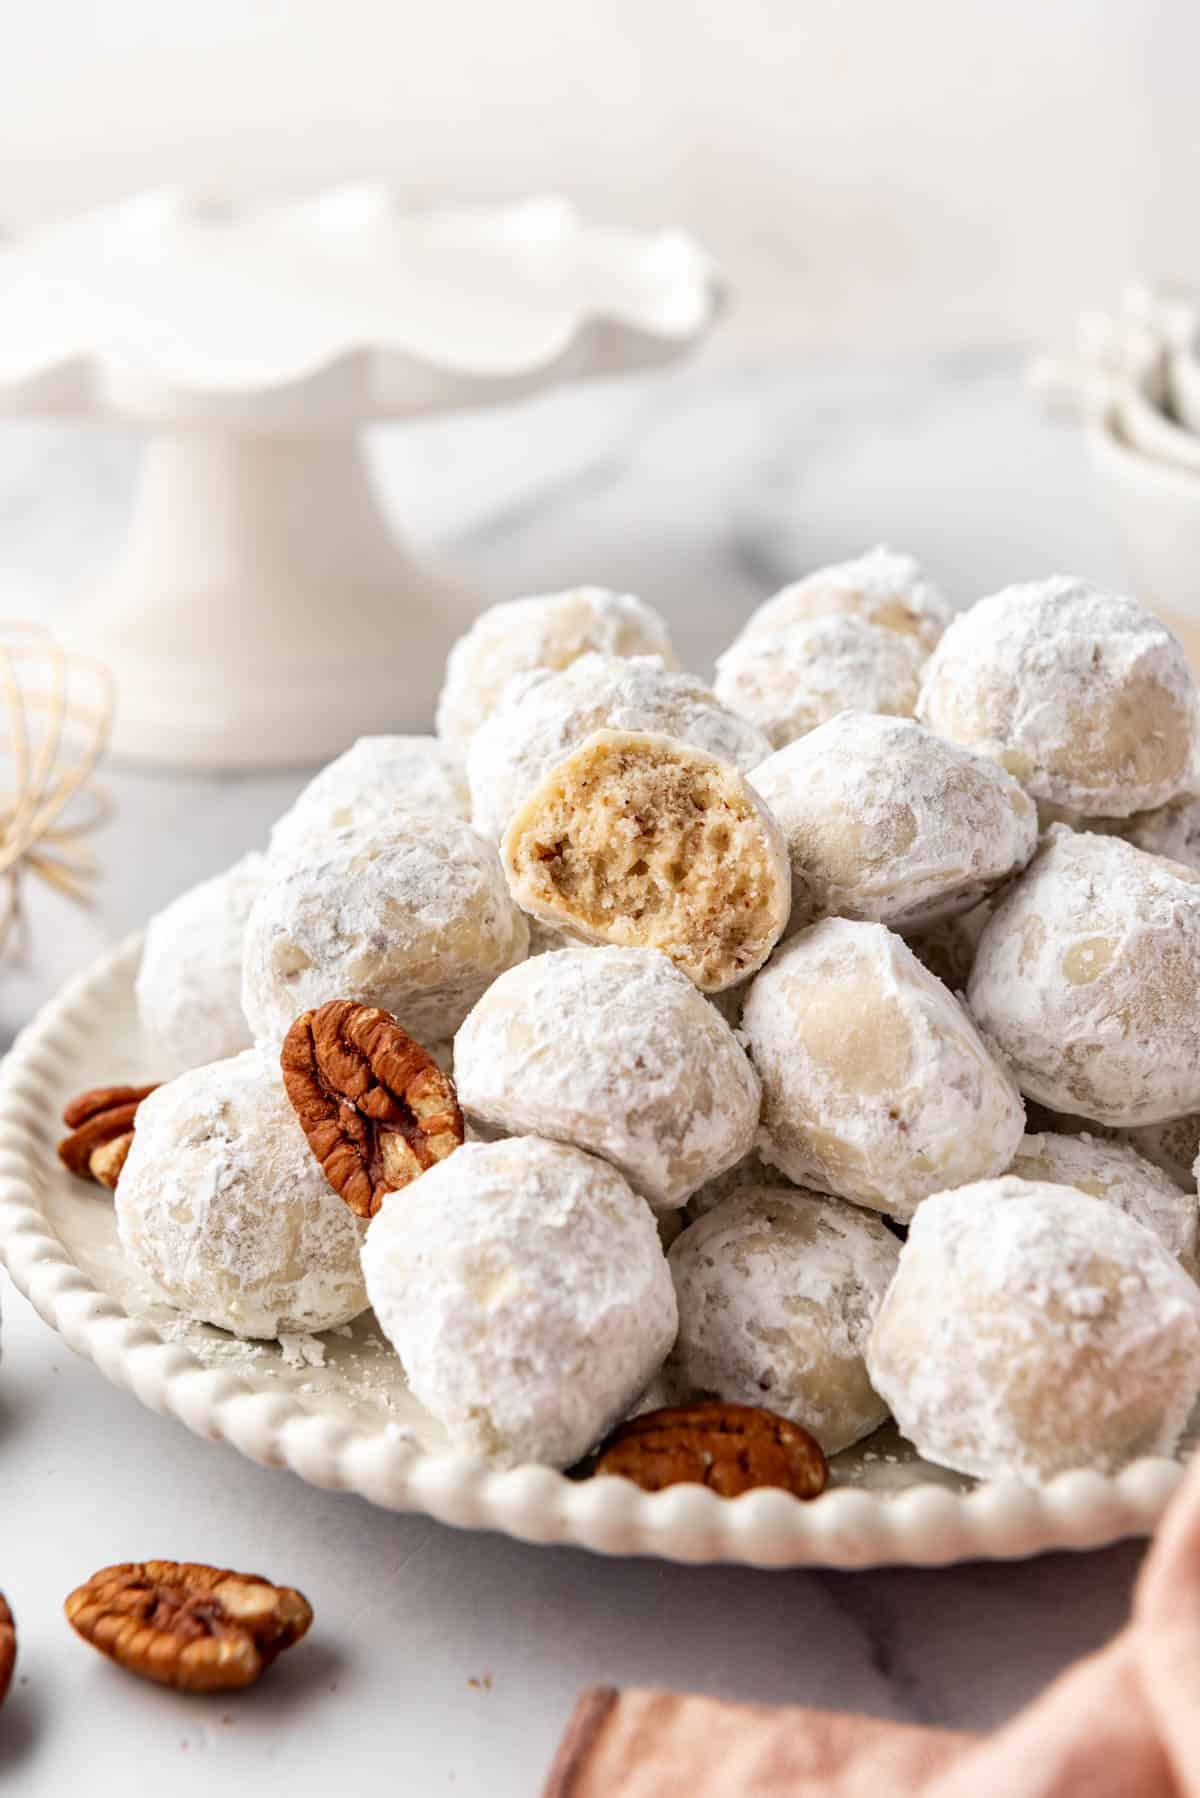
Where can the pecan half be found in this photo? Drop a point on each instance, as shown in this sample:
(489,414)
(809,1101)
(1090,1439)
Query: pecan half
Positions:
(8,1647)
(101,1126)
(375,1107)
(202,1629)
(728,1448)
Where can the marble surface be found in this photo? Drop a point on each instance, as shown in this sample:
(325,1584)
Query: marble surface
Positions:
(442,1661)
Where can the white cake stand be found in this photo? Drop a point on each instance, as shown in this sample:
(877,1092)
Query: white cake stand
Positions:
(262,612)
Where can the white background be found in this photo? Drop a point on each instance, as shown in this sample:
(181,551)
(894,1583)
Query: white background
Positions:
(876,171)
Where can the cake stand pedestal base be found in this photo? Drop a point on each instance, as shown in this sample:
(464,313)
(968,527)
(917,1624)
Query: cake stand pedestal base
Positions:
(262,613)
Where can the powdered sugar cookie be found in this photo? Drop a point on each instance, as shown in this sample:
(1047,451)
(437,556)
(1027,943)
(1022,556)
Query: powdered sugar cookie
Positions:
(1019,1341)
(787,682)
(223,1204)
(613,1050)
(641,841)
(885,587)
(377,778)
(525,1289)
(777,1292)
(413,916)
(1082,695)
(876,1084)
(1116,1173)
(544,715)
(1172,1146)
(549,631)
(885,821)
(1087,975)
(189,984)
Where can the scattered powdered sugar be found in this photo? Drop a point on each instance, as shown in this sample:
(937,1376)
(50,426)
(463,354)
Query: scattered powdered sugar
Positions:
(1087,975)
(793,679)
(413,916)
(777,1292)
(876,1084)
(1082,695)
(549,631)
(1018,1340)
(373,780)
(222,1203)
(210,1347)
(301,1350)
(885,821)
(189,984)
(525,1290)
(616,1051)
(545,714)
(886,587)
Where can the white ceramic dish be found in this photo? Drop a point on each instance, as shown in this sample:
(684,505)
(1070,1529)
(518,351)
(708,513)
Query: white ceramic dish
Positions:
(350,1424)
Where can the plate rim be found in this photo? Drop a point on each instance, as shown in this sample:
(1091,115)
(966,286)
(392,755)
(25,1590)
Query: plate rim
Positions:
(846,1528)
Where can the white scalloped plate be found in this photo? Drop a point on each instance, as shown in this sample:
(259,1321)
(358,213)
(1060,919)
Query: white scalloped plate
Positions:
(351,1425)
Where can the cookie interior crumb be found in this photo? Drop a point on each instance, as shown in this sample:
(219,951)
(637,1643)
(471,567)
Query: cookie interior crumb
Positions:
(638,840)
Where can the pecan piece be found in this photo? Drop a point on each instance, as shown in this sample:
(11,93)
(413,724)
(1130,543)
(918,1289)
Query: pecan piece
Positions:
(101,1126)
(8,1647)
(201,1629)
(728,1448)
(375,1107)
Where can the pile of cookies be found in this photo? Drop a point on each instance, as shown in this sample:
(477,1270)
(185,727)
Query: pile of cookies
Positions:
(824,1043)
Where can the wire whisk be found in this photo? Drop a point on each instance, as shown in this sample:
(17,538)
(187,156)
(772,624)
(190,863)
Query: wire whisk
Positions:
(56,711)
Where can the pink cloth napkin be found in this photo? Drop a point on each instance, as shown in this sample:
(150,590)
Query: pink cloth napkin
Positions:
(1123,1724)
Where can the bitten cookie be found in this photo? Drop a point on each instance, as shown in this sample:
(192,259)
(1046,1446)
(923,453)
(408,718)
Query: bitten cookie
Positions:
(777,1291)
(1017,1340)
(613,1050)
(544,715)
(641,841)
(412,916)
(876,1084)
(1087,975)
(549,631)
(189,984)
(1082,695)
(222,1203)
(884,587)
(885,821)
(525,1289)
